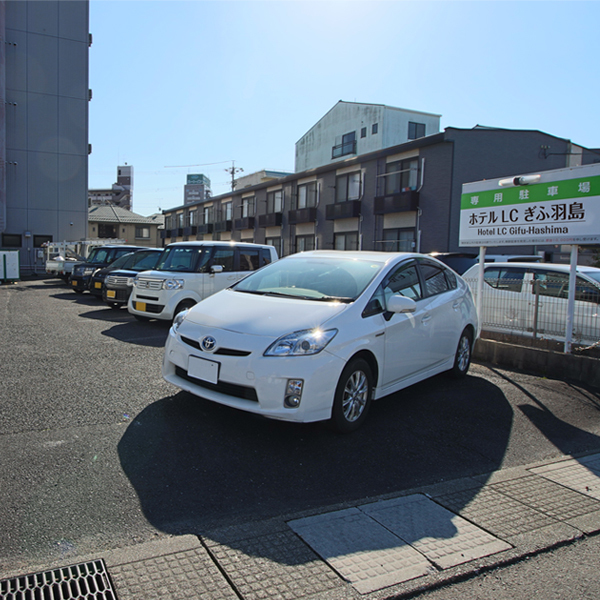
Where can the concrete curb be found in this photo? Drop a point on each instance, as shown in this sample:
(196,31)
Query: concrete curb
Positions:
(547,363)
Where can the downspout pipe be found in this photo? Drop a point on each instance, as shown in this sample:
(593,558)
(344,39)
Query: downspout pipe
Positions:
(2,116)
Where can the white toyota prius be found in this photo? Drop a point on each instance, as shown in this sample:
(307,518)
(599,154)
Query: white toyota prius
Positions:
(319,335)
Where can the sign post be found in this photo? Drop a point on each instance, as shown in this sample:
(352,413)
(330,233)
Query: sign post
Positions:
(561,206)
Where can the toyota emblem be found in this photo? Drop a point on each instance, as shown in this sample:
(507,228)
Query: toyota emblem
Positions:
(208,343)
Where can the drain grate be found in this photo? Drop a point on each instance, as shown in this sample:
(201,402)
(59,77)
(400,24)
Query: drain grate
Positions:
(85,581)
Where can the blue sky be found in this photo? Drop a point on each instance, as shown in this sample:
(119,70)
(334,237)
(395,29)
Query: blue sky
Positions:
(210,82)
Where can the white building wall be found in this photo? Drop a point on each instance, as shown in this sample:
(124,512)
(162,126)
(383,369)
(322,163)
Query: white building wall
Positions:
(315,148)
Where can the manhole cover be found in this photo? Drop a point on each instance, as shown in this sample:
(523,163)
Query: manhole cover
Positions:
(85,581)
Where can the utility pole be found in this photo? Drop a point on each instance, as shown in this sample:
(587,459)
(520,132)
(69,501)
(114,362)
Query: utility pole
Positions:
(232,171)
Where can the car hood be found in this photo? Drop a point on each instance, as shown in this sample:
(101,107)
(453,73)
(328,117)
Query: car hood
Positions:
(124,272)
(262,315)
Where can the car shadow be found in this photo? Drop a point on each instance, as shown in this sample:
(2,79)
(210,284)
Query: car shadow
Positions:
(198,466)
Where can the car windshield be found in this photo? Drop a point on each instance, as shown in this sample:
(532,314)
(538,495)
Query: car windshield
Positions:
(183,259)
(312,278)
(98,255)
(124,261)
(145,260)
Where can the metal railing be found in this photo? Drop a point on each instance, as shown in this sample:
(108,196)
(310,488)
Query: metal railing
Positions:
(538,308)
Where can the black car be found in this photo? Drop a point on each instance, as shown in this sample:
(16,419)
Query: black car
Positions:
(124,262)
(99,258)
(118,282)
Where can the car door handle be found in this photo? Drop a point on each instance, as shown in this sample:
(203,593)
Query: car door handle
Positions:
(456,305)
(426,319)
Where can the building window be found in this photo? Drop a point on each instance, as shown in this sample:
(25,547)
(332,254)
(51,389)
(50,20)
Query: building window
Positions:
(227,211)
(192,217)
(207,215)
(275,202)
(180,220)
(398,240)
(276,243)
(248,207)
(346,241)
(401,176)
(363,132)
(304,243)
(347,187)
(106,231)
(374,128)
(40,240)
(307,195)
(11,240)
(142,233)
(416,130)
(169,222)
(348,145)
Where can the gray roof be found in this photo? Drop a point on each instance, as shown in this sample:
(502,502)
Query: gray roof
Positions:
(117,214)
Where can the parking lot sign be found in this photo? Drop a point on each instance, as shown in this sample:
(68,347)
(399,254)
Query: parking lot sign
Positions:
(561,206)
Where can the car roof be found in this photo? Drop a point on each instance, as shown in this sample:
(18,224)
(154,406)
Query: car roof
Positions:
(217,243)
(372,255)
(558,267)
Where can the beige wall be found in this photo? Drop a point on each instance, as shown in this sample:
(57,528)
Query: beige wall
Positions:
(126,231)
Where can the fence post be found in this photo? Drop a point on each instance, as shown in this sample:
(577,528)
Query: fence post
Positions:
(536,309)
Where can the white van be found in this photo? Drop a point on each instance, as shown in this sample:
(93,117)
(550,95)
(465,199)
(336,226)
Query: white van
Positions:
(188,272)
(531,299)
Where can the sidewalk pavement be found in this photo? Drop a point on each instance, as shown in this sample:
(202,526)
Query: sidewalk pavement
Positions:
(386,547)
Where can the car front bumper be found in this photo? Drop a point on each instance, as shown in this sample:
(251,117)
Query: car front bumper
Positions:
(256,383)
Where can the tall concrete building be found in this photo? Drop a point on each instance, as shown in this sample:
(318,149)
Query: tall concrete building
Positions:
(44,147)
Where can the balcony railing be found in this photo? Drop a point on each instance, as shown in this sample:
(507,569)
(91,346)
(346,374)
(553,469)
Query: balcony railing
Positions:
(342,210)
(205,228)
(244,223)
(270,220)
(343,149)
(221,226)
(302,215)
(190,230)
(393,203)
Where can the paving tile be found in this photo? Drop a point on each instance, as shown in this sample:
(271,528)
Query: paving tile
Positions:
(548,497)
(361,550)
(444,537)
(583,477)
(182,575)
(275,566)
(496,512)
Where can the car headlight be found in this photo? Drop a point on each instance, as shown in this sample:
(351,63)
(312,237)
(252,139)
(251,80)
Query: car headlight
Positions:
(179,318)
(88,271)
(301,343)
(173,284)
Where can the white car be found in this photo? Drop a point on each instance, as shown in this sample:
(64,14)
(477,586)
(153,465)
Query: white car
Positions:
(187,272)
(531,299)
(318,335)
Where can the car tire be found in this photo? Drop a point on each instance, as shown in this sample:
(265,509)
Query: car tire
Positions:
(353,396)
(462,358)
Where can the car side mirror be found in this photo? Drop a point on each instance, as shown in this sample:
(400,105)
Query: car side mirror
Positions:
(401,304)
(216,269)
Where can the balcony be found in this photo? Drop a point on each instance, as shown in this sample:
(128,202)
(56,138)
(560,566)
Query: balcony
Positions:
(206,228)
(394,203)
(270,220)
(302,215)
(342,210)
(165,233)
(244,223)
(191,230)
(222,226)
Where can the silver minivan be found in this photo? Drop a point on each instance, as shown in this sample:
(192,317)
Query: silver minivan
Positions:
(531,299)
(188,272)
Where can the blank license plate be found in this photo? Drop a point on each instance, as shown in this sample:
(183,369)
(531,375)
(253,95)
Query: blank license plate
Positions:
(141,306)
(97,285)
(206,370)
(110,293)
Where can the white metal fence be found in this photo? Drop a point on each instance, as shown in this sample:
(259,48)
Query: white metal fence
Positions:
(538,307)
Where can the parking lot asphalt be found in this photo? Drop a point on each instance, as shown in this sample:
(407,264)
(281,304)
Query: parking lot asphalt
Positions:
(453,517)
